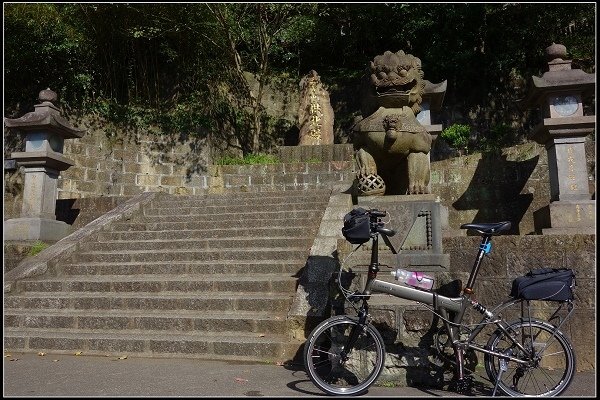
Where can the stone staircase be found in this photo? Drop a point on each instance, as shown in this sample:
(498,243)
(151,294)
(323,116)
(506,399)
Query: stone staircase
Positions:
(209,276)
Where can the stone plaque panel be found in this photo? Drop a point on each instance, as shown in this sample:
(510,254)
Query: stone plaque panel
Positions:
(568,170)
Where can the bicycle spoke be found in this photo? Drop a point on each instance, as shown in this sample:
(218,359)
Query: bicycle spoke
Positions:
(335,371)
(553,354)
(546,374)
(324,352)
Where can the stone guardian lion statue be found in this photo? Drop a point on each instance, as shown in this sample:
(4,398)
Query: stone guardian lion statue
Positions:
(392,148)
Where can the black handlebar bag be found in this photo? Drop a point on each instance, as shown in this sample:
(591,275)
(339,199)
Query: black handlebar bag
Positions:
(550,284)
(357,228)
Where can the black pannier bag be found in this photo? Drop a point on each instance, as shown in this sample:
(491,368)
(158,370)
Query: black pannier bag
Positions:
(357,228)
(551,284)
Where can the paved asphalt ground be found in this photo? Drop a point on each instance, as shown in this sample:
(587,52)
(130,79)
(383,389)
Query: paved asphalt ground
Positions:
(52,375)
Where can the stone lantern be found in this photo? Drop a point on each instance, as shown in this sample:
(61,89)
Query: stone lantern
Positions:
(559,94)
(45,131)
(433,97)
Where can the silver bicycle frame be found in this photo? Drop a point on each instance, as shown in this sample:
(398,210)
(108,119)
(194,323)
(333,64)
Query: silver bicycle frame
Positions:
(441,304)
(438,301)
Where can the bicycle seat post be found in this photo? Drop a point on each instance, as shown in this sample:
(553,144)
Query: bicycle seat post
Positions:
(484,248)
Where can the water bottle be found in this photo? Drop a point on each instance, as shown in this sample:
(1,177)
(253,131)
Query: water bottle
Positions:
(415,279)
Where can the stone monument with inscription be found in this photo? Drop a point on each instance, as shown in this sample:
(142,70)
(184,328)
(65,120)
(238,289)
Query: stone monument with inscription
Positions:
(559,94)
(315,114)
(45,131)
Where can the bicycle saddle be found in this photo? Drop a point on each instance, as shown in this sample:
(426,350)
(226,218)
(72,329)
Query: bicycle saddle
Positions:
(488,228)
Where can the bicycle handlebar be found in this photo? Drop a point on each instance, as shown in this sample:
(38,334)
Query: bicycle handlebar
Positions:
(377,213)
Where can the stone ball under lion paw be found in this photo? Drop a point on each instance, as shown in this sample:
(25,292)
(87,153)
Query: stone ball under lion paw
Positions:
(370,185)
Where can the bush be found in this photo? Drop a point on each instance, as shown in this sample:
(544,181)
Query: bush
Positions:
(457,136)
(248,159)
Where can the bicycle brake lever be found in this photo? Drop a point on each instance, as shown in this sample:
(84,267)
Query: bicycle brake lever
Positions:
(354,297)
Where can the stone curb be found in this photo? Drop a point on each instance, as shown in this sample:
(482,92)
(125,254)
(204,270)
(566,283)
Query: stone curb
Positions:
(38,264)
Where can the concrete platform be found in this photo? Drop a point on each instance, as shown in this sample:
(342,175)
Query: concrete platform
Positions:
(31,375)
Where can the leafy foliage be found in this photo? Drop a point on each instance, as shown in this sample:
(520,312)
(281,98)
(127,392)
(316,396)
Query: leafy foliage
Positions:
(457,136)
(37,248)
(203,68)
(248,159)
(498,137)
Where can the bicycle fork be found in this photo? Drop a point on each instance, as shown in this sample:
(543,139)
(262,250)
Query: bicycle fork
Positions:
(354,333)
(363,313)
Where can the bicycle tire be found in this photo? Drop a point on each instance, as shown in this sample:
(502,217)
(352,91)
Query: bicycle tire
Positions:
(324,363)
(547,373)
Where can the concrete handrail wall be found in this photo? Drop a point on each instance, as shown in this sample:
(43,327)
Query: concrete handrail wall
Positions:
(39,264)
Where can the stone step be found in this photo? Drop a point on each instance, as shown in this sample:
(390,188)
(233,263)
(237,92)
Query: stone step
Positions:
(276,217)
(210,276)
(216,205)
(210,233)
(152,320)
(209,301)
(241,197)
(170,224)
(197,244)
(260,283)
(286,253)
(183,267)
(217,345)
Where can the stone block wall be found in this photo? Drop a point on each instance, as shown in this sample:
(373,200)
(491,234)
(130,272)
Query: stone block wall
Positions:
(513,256)
(409,329)
(474,188)
(487,187)
(311,154)
(127,166)
(283,176)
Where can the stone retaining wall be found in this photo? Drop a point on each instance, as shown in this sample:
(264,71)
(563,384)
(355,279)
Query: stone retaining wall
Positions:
(513,256)
(499,187)
(127,167)
(409,329)
(479,187)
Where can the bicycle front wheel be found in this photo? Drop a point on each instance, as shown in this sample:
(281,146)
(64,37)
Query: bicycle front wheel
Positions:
(549,360)
(334,370)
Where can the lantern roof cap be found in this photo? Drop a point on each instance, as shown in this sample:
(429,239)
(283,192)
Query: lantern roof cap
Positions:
(45,117)
(435,92)
(560,78)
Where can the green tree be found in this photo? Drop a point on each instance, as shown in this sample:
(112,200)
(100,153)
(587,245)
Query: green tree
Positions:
(42,49)
(248,35)
(202,69)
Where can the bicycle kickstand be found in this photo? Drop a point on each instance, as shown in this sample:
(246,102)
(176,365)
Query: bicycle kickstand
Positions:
(503,368)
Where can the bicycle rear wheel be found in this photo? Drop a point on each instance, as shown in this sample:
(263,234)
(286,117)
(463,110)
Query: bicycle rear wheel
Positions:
(550,360)
(334,371)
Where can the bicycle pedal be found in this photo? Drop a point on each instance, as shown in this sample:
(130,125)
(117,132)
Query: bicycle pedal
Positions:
(462,386)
